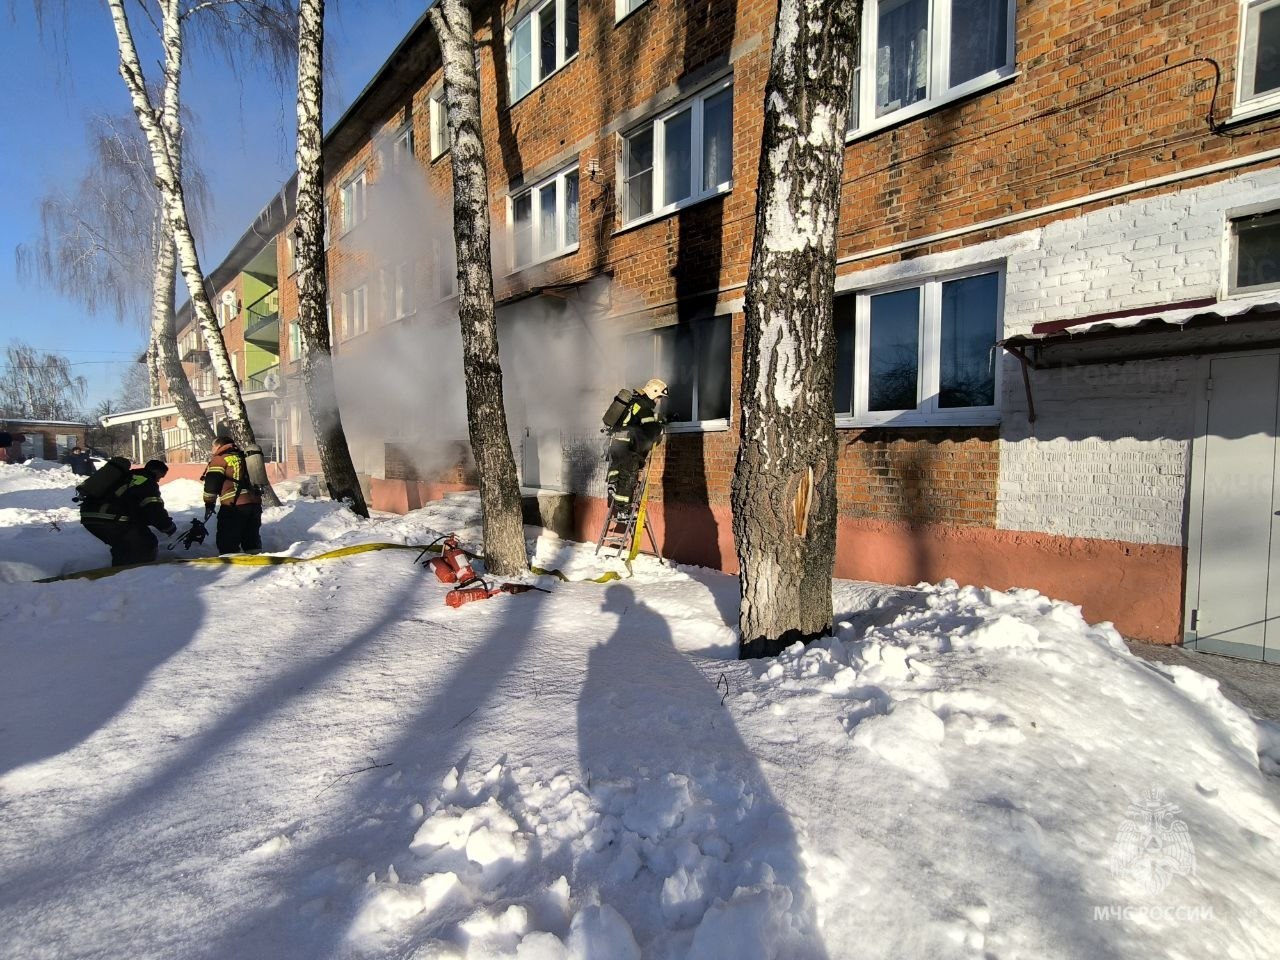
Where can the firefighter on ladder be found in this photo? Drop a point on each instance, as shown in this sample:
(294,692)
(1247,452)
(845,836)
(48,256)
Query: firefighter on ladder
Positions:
(630,443)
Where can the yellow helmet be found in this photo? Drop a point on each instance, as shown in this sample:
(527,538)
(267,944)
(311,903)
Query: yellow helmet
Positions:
(655,389)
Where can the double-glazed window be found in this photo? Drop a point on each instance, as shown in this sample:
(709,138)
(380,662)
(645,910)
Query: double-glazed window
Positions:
(1258,80)
(679,157)
(439,123)
(398,297)
(925,353)
(693,359)
(919,53)
(295,340)
(544,219)
(355,312)
(445,253)
(1255,253)
(402,145)
(353,201)
(542,42)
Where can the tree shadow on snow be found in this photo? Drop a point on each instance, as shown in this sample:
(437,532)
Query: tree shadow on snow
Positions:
(64,676)
(661,753)
(314,894)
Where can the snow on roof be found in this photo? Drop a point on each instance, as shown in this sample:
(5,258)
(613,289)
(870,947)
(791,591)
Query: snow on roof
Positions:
(11,421)
(1171,316)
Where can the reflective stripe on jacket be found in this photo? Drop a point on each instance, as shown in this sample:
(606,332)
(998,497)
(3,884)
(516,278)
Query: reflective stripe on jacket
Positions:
(137,500)
(226,479)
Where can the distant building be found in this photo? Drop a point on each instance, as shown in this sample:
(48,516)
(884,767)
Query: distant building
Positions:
(45,439)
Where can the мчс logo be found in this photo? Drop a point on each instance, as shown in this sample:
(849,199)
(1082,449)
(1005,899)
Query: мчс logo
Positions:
(1151,847)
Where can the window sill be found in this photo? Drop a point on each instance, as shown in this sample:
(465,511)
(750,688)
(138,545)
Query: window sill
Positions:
(516,271)
(674,208)
(973,88)
(979,418)
(698,426)
(1250,113)
(524,96)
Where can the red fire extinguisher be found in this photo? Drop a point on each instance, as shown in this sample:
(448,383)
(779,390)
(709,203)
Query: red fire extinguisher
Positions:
(453,565)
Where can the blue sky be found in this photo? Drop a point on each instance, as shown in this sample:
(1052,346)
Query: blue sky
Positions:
(244,141)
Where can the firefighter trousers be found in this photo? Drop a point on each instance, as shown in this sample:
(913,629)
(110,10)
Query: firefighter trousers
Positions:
(239,528)
(129,542)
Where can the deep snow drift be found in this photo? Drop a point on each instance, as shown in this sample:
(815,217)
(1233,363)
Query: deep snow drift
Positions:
(323,760)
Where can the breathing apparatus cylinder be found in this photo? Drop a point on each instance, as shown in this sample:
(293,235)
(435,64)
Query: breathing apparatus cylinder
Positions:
(256,465)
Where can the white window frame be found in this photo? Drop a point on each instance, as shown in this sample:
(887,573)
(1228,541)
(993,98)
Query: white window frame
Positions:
(355,321)
(291,243)
(354,200)
(295,340)
(939,93)
(657,123)
(927,412)
(624,8)
(402,145)
(535,47)
(692,426)
(562,248)
(1268,211)
(1246,60)
(398,291)
(438,121)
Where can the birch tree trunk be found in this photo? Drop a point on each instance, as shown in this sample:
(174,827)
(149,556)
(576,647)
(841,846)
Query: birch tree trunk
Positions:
(504,549)
(317,356)
(163,134)
(165,343)
(784,503)
(152,438)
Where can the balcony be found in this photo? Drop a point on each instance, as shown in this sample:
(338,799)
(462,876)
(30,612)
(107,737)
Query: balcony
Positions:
(193,351)
(262,323)
(266,379)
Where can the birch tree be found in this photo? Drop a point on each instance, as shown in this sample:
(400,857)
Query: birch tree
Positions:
(161,126)
(106,244)
(38,386)
(504,548)
(784,498)
(317,357)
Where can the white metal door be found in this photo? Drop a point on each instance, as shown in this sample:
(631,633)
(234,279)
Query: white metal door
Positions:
(1234,599)
(542,457)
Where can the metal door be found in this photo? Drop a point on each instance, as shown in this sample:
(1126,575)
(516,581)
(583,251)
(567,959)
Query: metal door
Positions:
(1233,599)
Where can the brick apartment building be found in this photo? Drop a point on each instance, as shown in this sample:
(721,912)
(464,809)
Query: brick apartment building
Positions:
(1058,332)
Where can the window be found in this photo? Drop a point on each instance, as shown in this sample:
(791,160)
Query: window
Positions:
(291,242)
(355,312)
(295,340)
(439,122)
(1255,252)
(544,219)
(402,145)
(623,7)
(693,359)
(446,261)
(1259,74)
(920,354)
(353,201)
(398,292)
(680,157)
(541,43)
(917,54)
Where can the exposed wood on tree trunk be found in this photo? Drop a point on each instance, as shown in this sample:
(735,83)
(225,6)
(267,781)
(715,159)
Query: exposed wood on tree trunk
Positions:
(162,130)
(504,548)
(784,503)
(317,358)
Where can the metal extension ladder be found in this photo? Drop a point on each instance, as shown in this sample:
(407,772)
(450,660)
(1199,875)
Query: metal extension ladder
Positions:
(619,531)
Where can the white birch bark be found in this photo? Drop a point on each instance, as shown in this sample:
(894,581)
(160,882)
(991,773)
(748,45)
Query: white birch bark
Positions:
(504,548)
(317,358)
(784,492)
(162,130)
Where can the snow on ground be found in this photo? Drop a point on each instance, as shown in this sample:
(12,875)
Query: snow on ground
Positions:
(323,760)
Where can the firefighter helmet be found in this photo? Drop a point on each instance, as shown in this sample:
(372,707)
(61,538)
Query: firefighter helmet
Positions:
(655,389)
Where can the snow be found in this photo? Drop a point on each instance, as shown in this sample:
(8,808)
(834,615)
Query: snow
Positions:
(323,760)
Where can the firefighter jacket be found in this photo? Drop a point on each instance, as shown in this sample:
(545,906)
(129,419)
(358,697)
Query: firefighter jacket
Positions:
(136,500)
(640,426)
(226,479)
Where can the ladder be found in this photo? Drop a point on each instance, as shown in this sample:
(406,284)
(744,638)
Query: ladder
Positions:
(619,528)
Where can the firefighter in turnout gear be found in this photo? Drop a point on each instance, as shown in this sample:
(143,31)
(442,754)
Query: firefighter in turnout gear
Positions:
(631,441)
(121,518)
(227,486)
